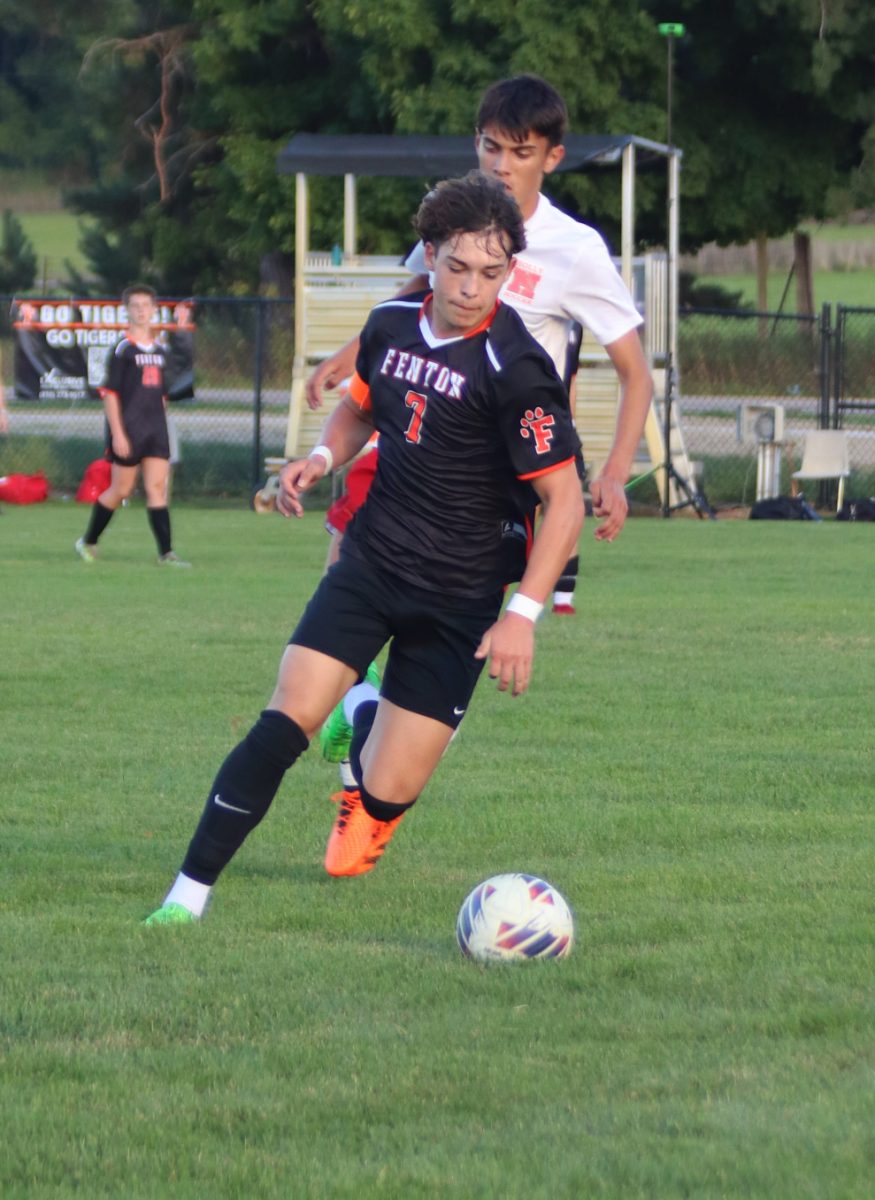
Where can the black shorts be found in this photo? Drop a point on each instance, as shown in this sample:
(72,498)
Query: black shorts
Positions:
(431,668)
(147,443)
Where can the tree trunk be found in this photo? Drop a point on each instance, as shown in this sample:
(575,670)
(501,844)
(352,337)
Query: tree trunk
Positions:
(804,278)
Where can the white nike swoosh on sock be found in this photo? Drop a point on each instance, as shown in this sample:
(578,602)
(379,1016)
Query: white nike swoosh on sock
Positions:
(217,799)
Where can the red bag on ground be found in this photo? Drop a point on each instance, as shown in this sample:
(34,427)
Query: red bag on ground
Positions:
(95,481)
(24,489)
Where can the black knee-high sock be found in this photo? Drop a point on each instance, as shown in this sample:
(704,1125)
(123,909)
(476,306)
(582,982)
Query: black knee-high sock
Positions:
(243,791)
(159,519)
(568,579)
(100,518)
(362,724)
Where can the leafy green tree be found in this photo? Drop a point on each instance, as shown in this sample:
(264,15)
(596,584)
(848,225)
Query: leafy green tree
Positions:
(18,264)
(45,120)
(182,106)
(771,105)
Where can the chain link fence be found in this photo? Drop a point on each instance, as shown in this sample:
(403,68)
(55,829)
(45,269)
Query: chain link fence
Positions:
(801,373)
(753,384)
(243,362)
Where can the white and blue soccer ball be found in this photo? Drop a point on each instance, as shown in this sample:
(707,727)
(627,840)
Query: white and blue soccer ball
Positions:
(511,918)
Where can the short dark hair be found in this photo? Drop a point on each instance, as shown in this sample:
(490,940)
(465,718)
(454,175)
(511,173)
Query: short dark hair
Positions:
(475,203)
(138,289)
(524,104)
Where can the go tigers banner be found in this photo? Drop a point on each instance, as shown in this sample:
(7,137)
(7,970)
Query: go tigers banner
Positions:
(62,347)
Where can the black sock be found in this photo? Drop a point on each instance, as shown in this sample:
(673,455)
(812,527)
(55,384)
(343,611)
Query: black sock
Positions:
(100,518)
(242,792)
(362,725)
(568,579)
(379,809)
(159,519)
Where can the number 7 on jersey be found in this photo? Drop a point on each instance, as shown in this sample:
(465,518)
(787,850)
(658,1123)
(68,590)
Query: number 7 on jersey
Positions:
(418,403)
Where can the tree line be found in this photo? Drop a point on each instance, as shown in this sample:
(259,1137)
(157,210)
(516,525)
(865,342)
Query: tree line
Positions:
(163,118)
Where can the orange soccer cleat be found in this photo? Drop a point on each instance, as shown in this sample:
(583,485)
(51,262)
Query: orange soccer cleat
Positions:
(357,841)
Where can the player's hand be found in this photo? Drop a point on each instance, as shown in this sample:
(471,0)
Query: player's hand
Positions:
(295,479)
(509,645)
(609,502)
(121,445)
(326,377)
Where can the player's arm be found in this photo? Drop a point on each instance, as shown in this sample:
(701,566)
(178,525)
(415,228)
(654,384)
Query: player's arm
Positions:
(344,434)
(341,364)
(510,643)
(636,393)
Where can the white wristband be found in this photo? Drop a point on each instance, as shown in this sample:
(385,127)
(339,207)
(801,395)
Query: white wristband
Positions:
(524,606)
(325,453)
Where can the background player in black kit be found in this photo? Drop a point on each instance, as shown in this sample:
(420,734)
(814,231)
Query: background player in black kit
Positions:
(466,404)
(135,402)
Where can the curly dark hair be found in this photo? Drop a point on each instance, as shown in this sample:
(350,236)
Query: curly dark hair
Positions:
(475,203)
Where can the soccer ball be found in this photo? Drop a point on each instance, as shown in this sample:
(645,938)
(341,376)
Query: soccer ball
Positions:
(515,917)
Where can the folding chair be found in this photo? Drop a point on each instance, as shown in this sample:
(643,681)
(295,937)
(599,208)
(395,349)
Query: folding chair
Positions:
(825,456)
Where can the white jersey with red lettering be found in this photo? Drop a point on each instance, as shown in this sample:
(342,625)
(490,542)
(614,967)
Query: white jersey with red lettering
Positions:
(564,275)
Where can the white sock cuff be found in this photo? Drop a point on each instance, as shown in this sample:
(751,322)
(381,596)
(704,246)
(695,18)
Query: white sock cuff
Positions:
(357,695)
(346,776)
(190,894)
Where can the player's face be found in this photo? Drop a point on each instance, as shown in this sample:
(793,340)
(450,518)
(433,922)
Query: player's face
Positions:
(519,165)
(468,273)
(141,310)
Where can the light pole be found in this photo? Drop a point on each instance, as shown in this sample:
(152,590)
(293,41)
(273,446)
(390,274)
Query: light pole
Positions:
(669,30)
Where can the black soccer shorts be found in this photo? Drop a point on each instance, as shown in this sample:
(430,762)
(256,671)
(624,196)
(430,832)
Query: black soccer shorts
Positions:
(431,667)
(153,442)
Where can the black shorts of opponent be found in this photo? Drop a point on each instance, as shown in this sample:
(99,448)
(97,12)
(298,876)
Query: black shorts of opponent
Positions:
(431,667)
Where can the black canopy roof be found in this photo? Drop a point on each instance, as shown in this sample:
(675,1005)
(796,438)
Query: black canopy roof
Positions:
(427,156)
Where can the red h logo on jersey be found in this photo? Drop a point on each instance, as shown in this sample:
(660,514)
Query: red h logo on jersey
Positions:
(523,281)
(535,424)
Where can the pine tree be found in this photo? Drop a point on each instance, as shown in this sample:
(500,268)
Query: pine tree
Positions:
(18,262)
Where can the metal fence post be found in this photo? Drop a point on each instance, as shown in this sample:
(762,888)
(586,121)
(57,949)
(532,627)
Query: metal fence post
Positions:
(834,414)
(256,388)
(825,363)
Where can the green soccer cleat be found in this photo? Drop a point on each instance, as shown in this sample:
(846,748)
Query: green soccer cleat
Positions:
(335,735)
(172,559)
(172,914)
(86,552)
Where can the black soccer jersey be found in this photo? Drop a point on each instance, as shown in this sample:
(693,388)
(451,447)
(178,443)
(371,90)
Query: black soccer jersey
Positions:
(461,420)
(136,375)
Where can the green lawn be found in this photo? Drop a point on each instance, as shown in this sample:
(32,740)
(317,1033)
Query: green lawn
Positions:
(55,238)
(854,289)
(692,768)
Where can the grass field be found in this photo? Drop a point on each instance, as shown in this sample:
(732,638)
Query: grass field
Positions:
(692,768)
(853,289)
(55,238)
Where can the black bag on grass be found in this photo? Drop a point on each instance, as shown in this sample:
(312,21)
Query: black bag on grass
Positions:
(857,510)
(783,508)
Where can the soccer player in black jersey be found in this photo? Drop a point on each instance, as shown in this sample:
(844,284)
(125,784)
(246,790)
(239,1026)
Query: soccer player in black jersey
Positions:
(466,404)
(138,439)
